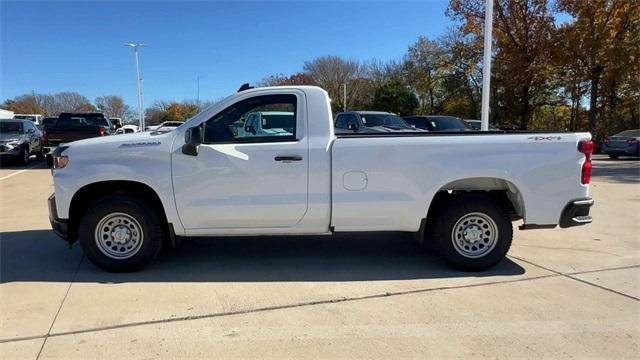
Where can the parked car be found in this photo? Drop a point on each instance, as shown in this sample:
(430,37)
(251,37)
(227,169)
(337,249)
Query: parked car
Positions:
(76,126)
(476,125)
(370,122)
(266,123)
(623,143)
(166,126)
(127,129)
(47,121)
(125,197)
(437,123)
(116,122)
(35,118)
(19,139)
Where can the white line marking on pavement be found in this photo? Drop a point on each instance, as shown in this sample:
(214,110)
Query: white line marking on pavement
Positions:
(18,172)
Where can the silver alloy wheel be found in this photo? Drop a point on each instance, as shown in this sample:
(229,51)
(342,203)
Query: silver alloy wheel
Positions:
(474,235)
(119,236)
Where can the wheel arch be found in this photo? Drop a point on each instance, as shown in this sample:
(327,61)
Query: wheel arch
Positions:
(504,192)
(90,193)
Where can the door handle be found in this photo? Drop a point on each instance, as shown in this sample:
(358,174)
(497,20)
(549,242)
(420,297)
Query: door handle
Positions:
(288,158)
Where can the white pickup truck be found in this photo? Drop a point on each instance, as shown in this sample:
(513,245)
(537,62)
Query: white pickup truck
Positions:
(125,197)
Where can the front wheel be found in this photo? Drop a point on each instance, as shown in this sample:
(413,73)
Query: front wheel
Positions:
(121,233)
(40,153)
(472,232)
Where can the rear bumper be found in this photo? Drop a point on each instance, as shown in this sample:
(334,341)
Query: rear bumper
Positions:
(59,226)
(576,213)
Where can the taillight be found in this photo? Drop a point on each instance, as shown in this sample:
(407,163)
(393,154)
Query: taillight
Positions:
(45,136)
(632,141)
(101,131)
(586,147)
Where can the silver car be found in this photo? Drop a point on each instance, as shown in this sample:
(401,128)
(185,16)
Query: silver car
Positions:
(623,143)
(19,139)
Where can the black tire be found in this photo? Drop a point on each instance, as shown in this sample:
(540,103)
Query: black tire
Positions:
(486,213)
(23,158)
(613,157)
(152,231)
(40,153)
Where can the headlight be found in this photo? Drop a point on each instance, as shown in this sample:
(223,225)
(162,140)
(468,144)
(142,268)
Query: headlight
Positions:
(59,162)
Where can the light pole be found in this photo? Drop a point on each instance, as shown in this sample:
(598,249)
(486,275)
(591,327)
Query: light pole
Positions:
(486,71)
(138,82)
(344,97)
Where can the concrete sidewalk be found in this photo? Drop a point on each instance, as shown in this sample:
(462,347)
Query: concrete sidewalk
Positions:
(561,293)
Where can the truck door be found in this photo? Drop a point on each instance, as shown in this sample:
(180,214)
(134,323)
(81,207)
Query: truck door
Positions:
(240,180)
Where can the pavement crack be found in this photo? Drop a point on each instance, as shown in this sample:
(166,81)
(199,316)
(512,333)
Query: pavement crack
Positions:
(269,308)
(554,273)
(572,277)
(569,248)
(48,334)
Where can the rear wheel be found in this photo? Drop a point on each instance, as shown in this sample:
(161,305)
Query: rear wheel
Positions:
(121,233)
(614,156)
(24,156)
(472,232)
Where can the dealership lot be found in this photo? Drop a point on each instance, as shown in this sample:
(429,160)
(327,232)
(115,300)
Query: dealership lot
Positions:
(561,293)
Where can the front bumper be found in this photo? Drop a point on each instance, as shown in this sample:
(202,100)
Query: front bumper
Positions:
(576,213)
(59,226)
(6,150)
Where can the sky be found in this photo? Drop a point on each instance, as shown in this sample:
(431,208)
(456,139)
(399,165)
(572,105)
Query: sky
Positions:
(50,46)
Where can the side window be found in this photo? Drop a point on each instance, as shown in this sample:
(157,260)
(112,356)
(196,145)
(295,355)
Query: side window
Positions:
(265,118)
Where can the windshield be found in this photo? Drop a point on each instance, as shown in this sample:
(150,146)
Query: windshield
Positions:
(10,127)
(447,123)
(389,120)
(630,133)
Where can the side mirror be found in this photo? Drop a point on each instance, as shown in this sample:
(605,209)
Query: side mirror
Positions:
(30,131)
(193,137)
(250,128)
(352,126)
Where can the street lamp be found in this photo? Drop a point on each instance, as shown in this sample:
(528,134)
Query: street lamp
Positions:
(138,82)
(486,71)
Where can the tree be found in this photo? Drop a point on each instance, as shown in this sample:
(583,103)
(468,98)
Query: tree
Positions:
(424,72)
(394,96)
(462,83)
(113,106)
(299,78)
(72,102)
(332,73)
(24,104)
(522,34)
(601,49)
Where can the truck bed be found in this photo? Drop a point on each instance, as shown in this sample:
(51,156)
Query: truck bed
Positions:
(375,175)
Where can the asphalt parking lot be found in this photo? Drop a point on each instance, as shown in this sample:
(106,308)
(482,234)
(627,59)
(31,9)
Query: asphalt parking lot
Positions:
(560,294)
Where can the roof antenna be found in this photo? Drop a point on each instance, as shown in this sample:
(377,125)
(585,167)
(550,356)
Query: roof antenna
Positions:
(244,87)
